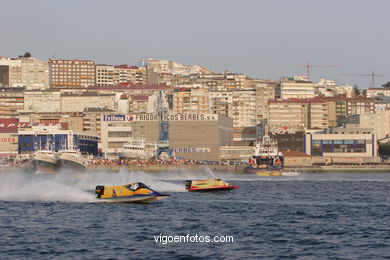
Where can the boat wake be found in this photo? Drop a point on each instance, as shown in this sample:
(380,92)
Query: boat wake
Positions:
(17,186)
(72,186)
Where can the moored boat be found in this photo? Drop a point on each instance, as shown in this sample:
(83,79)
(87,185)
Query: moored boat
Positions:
(266,160)
(72,160)
(138,149)
(208,185)
(44,162)
(134,192)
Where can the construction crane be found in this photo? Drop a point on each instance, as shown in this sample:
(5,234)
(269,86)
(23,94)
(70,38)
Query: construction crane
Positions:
(308,66)
(372,75)
(163,147)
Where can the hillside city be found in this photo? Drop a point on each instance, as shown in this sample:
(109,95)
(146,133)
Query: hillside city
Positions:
(210,116)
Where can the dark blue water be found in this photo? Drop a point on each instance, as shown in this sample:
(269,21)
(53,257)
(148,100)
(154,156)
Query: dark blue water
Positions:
(327,216)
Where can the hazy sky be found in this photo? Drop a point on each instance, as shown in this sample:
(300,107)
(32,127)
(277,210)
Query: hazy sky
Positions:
(264,39)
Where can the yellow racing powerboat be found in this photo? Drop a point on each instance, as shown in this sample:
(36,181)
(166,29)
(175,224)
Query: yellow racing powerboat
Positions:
(134,192)
(208,185)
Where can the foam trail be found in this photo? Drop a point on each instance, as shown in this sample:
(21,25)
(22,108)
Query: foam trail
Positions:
(16,186)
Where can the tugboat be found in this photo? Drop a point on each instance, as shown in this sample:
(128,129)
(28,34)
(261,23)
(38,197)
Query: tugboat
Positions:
(134,192)
(208,185)
(266,160)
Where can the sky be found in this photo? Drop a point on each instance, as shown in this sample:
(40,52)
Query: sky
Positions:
(262,39)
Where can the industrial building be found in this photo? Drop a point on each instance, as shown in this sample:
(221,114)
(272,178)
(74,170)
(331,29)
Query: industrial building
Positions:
(191,136)
(343,145)
(57,138)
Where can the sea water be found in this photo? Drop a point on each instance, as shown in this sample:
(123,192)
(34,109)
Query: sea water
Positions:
(311,216)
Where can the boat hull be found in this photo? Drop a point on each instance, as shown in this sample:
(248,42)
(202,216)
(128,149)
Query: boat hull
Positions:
(45,167)
(64,164)
(263,171)
(128,193)
(133,199)
(212,189)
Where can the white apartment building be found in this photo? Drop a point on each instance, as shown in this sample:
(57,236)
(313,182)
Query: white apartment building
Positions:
(243,110)
(264,91)
(108,75)
(379,122)
(173,67)
(240,105)
(35,73)
(30,73)
(381,92)
(290,88)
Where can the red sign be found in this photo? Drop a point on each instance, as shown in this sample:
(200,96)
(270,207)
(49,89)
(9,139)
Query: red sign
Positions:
(8,140)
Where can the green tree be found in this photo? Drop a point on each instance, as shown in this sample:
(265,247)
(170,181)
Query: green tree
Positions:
(384,149)
(387,85)
(356,90)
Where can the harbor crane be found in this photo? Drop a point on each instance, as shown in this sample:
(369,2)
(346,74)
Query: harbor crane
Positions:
(308,66)
(163,147)
(372,75)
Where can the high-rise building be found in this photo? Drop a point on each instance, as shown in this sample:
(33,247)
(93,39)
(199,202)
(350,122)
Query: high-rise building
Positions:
(71,73)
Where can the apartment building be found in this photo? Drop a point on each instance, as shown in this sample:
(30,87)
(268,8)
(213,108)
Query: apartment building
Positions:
(243,109)
(264,91)
(108,75)
(379,122)
(220,102)
(377,92)
(11,101)
(34,73)
(173,67)
(225,81)
(187,101)
(297,114)
(71,73)
(93,116)
(240,105)
(30,73)
(295,88)
(360,105)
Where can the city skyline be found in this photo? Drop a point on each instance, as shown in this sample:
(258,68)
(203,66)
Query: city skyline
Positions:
(259,39)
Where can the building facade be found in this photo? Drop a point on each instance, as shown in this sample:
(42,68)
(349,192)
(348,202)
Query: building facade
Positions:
(297,114)
(71,73)
(191,136)
(291,88)
(343,145)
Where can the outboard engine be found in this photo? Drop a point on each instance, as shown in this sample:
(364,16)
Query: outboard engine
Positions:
(99,191)
(188,184)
